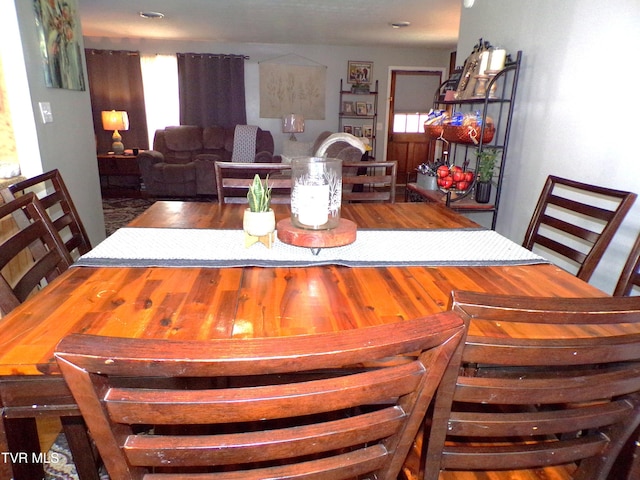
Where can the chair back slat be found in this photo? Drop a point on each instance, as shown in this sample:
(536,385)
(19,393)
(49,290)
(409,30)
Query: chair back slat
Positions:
(233,180)
(582,208)
(369,181)
(48,267)
(235,448)
(551,399)
(543,389)
(572,221)
(516,459)
(47,261)
(473,423)
(331,405)
(237,405)
(56,200)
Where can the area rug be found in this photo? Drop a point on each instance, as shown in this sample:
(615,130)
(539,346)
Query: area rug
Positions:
(60,465)
(118,212)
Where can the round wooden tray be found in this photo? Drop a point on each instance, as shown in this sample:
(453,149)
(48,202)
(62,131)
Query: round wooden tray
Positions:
(343,234)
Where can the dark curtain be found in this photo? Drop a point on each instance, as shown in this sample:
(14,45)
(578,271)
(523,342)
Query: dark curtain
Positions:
(211,89)
(115,83)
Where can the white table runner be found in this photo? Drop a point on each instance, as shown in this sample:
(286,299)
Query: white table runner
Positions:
(168,247)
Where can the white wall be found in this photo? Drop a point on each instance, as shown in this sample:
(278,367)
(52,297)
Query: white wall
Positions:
(334,57)
(68,143)
(577,103)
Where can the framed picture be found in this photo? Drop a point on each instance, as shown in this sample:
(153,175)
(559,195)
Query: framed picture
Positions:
(370,110)
(468,78)
(347,108)
(347,129)
(359,72)
(357,131)
(454,80)
(367,131)
(361,108)
(58,25)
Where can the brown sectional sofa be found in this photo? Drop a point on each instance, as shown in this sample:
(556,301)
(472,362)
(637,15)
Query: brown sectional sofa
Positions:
(181,163)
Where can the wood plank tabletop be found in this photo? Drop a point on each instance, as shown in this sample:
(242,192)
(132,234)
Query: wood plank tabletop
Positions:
(170,214)
(202,303)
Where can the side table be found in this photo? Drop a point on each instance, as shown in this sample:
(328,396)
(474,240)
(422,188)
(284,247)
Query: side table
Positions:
(119,176)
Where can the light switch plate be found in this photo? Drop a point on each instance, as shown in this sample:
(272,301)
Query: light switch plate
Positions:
(45,112)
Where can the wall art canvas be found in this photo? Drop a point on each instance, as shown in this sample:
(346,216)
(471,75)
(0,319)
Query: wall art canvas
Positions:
(8,154)
(58,25)
(292,89)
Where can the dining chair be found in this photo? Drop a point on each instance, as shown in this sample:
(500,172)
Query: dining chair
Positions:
(576,222)
(369,181)
(527,394)
(51,260)
(324,406)
(233,180)
(31,255)
(56,199)
(630,276)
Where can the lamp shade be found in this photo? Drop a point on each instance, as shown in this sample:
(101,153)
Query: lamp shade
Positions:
(293,123)
(115,120)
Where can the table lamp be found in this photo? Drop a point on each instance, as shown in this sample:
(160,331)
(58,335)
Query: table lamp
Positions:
(115,120)
(293,123)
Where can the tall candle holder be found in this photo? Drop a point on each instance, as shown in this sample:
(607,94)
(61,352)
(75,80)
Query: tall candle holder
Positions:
(481,85)
(494,86)
(316,199)
(316,194)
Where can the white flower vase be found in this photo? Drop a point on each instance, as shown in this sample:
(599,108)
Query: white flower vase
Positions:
(258,224)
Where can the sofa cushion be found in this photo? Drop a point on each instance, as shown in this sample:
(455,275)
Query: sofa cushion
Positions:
(213,138)
(184,138)
(173,173)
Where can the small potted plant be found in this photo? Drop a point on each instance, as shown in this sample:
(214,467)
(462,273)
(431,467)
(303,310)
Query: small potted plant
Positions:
(486,164)
(259,219)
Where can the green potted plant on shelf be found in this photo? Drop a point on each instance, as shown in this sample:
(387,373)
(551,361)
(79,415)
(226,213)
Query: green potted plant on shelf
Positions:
(259,219)
(487,159)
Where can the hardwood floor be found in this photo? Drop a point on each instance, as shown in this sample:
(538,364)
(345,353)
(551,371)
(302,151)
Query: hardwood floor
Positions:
(48,430)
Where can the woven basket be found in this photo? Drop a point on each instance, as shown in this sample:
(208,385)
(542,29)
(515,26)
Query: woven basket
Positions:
(468,133)
(433,131)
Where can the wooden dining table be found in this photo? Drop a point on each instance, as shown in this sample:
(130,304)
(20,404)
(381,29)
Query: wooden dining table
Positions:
(205,303)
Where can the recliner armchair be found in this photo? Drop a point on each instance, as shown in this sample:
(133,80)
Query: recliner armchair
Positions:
(182,162)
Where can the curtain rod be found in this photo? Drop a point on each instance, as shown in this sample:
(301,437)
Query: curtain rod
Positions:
(215,55)
(96,51)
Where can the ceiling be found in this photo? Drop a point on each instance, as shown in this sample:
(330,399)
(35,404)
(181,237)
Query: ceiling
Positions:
(434,23)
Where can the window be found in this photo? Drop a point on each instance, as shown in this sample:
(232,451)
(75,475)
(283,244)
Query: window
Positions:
(160,80)
(409,122)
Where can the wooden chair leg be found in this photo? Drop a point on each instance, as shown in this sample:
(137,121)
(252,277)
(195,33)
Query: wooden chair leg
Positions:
(627,466)
(22,441)
(84,455)
(5,467)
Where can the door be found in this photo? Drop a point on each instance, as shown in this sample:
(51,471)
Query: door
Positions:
(410,100)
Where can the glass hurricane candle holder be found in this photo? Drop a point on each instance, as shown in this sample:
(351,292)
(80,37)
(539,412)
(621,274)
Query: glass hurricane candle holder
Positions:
(316,193)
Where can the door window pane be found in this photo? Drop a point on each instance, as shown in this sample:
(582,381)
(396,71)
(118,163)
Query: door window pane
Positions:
(409,122)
